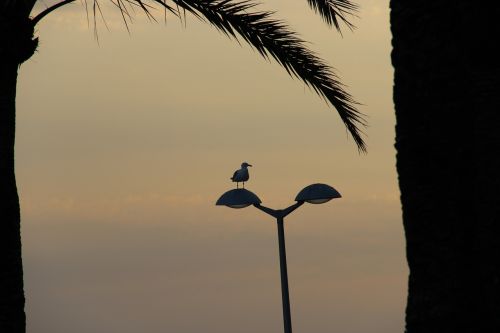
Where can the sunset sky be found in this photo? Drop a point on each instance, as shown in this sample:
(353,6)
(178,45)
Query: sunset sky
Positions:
(124,145)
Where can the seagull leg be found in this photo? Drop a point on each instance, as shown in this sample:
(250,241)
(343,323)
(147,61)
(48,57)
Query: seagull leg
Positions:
(243,184)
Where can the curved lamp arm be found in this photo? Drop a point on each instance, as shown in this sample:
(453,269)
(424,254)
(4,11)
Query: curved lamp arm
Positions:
(280,213)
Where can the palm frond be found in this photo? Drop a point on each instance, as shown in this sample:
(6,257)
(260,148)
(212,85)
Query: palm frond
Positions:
(47,11)
(273,38)
(334,11)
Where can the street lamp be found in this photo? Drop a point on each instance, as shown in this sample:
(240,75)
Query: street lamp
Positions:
(314,194)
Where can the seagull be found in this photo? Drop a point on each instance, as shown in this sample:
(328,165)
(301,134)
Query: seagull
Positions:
(241,175)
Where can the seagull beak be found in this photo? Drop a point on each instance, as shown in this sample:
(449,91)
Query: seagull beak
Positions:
(249,165)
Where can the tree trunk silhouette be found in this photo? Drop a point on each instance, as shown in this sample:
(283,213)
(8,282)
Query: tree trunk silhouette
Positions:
(446,96)
(11,271)
(16,46)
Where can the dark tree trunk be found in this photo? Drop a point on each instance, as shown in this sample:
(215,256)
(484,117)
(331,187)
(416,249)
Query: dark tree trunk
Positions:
(16,45)
(12,316)
(446,95)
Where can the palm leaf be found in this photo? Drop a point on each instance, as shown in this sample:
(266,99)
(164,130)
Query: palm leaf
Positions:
(334,11)
(272,39)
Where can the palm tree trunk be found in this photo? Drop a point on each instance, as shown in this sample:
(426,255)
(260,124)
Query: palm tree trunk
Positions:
(12,316)
(446,86)
(16,45)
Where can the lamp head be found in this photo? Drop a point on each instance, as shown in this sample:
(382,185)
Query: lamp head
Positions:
(238,198)
(317,194)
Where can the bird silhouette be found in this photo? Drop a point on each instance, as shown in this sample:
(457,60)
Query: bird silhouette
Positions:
(241,175)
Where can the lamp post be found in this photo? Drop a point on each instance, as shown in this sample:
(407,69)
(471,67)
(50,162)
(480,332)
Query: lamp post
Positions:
(314,194)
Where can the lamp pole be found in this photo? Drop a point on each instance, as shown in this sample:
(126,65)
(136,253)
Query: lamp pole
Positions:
(314,194)
(285,296)
(287,318)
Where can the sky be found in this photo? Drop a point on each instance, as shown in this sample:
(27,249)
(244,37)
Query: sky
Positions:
(124,144)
